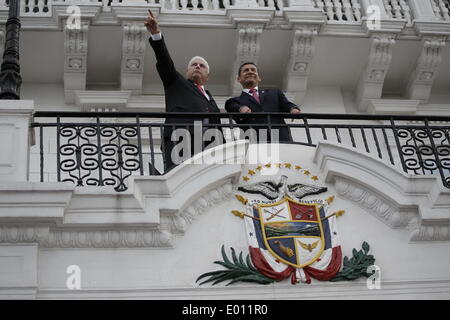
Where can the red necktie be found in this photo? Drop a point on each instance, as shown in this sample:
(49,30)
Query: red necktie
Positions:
(254,94)
(201,89)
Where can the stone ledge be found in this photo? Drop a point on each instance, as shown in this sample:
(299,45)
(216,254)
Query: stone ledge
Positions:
(419,203)
(408,289)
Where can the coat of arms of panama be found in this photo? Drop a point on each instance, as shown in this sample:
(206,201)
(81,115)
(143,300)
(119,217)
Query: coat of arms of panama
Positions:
(291,232)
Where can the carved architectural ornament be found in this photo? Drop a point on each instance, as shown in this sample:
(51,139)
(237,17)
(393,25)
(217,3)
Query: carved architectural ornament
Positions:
(75,58)
(421,79)
(76,48)
(133,47)
(380,57)
(299,64)
(92,237)
(133,51)
(107,239)
(372,78)
(416,203)
(178,224)
(381,208)
(302,49)
(248,48)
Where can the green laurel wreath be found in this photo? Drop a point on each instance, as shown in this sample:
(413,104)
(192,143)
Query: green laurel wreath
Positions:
(238,270)
(356,266)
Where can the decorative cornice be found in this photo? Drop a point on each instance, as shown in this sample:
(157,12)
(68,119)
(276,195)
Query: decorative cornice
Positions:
(107,239)
(392,106)
(300,15)
(241,14)
(395,26)
(432,28)
(423,232)
(150,214)
(99,100)
(379,207)
(134,10)
(419,203)
(178,224)
(23,233)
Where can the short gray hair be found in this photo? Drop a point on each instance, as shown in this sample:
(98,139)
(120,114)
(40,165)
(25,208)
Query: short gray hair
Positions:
(199,58)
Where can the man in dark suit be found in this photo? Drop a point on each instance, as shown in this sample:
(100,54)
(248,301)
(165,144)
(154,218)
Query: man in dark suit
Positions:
(182,94)
(253,99)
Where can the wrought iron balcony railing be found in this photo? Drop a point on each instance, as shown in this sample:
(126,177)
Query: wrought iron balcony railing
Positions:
(105,149)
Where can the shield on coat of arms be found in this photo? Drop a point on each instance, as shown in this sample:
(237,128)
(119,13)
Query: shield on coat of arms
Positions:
(292,231)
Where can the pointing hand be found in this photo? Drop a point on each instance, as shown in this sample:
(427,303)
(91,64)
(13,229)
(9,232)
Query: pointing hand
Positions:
(151,23)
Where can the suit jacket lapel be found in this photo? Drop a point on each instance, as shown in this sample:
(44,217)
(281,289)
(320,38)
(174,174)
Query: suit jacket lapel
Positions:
(195,89)
(262,95)
(246,98)
(212,101)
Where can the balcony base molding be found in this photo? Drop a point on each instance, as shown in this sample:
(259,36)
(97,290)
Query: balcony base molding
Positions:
(151,213)
(417,203)
(101,100)
(257,15)
(390,289)
(434,28)
(393,106)
(313,16)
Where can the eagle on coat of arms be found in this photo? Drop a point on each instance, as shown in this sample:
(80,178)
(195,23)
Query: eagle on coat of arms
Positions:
(288,236)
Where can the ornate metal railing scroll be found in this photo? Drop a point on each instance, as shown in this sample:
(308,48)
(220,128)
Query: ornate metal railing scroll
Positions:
(105,149)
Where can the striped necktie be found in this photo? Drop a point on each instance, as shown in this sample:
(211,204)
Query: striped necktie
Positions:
(254,93)
(201,89)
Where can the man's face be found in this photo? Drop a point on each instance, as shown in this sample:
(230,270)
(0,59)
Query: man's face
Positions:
(249,77)
(197,72)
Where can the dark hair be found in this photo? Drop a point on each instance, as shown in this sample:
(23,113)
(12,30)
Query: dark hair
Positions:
(240,68)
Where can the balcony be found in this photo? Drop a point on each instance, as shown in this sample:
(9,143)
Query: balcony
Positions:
(81,165)
(106,149)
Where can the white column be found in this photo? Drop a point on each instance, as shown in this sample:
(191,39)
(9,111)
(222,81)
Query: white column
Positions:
(15,116)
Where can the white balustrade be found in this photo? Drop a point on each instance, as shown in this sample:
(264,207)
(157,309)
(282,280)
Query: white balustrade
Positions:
(193,5)
(441,9)
(398,9)
(340,10)
(278,4)
(35,7)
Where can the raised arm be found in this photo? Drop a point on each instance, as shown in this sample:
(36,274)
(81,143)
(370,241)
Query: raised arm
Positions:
(164,63)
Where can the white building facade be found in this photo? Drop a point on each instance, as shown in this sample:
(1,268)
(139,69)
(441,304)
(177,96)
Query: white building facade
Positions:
(371,77)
